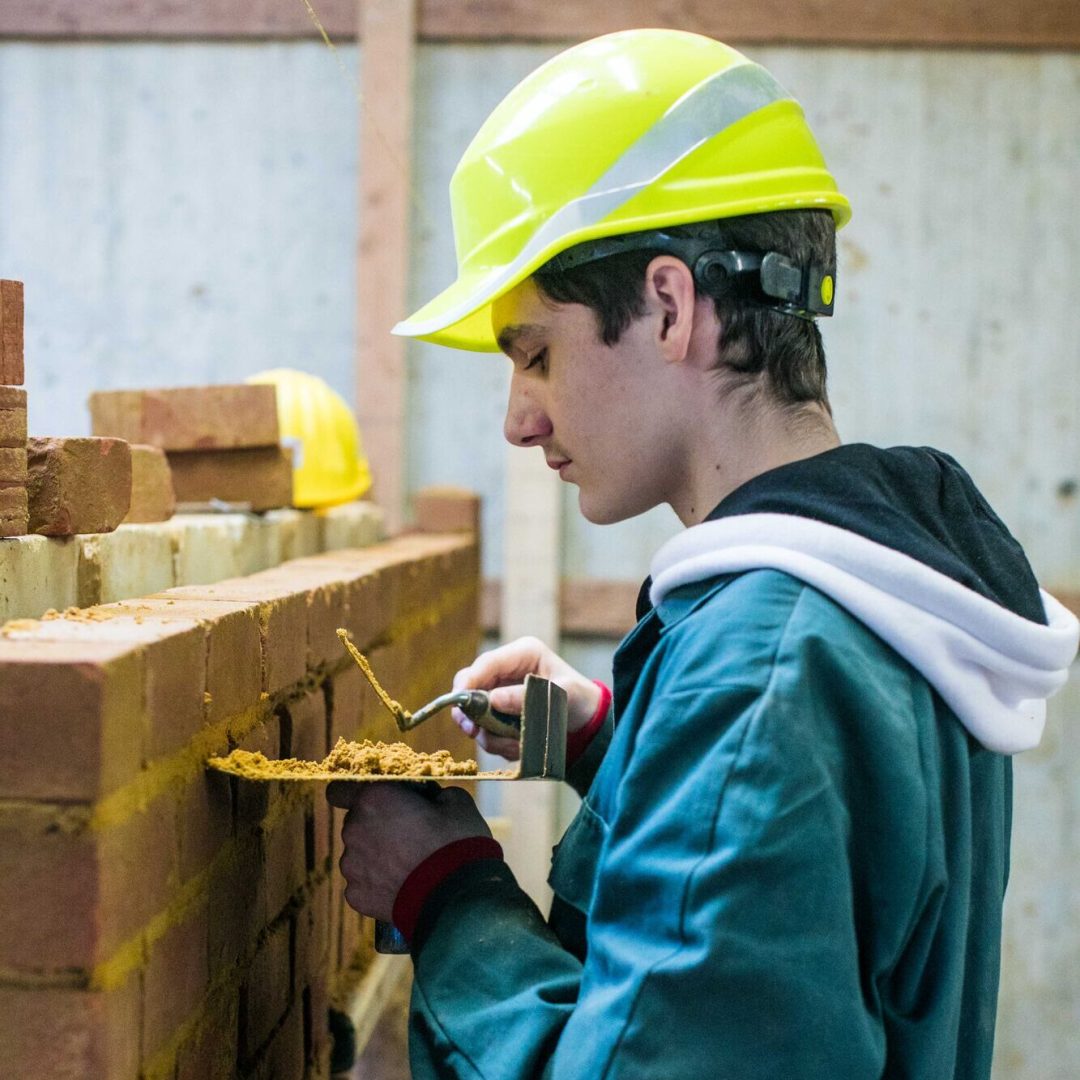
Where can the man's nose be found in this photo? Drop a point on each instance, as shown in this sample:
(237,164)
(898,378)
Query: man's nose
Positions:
(526,420)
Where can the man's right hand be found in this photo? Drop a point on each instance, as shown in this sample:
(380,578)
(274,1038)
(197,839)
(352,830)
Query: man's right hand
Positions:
(502,671)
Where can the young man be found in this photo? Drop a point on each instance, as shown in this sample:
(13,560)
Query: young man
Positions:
(793,846)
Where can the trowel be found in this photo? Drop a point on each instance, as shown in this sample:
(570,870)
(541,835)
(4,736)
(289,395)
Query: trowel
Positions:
(540,731)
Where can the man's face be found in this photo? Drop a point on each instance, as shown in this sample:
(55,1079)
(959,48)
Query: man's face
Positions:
(598,412)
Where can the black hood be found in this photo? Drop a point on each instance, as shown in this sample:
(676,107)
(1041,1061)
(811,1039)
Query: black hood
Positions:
(913,499)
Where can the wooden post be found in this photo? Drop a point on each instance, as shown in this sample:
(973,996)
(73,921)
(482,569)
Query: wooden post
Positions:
(530,605)
(388,31)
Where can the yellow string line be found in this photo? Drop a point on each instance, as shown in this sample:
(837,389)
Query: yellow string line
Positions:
(391,152)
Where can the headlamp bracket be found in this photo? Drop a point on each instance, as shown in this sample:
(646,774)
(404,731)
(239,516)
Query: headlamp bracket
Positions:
(766,278)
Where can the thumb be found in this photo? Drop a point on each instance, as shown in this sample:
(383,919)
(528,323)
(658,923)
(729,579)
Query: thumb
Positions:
(508,699)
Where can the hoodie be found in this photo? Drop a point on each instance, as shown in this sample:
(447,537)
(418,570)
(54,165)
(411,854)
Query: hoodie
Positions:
(905,542)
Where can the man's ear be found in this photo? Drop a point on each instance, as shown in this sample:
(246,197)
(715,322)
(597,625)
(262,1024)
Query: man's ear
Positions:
(669,292)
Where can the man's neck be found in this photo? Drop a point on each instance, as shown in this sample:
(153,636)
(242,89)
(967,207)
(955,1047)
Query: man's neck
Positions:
(746,443)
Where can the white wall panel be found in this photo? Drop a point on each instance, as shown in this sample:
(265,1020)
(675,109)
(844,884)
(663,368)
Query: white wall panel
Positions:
(179,213)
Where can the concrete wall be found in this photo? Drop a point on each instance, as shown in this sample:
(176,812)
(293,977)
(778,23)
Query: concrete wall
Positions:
(181,212)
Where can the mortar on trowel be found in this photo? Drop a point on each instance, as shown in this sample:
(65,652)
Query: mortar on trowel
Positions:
(540,731)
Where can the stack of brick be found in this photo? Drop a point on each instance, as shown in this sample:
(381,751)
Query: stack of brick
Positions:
(14,514)
(162,922)
(222,442)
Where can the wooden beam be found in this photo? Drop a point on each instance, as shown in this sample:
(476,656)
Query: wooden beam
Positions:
(1026,24)
(605,609)
(389,31)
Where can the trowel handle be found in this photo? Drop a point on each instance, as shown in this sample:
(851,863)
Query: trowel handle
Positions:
(388,938)
(477,707)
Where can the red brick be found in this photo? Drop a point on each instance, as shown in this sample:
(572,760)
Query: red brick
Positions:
(282,616)
(12,364)
(233,645)
(284,1057)
(317,1021)
(447,509)
(189,418)
(173,654)
(260,478)
(152,494)
(205,822)
(54,1034)
(70,894)
(177,979)
(77,485)
(72,721)
(237,897)
(313,935)
(267,990)
(307,717)
(13,426)
(13,466)
(14,511)
(211,1053)
(286,859)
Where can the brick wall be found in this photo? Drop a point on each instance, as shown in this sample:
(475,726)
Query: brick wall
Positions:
(165,923)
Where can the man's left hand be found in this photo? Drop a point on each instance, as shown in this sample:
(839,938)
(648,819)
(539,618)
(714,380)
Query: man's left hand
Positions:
(390,828)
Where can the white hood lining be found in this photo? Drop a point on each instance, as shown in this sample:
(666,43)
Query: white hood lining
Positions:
(992,667)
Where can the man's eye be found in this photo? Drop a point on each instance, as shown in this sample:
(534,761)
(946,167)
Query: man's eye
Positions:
(540,358)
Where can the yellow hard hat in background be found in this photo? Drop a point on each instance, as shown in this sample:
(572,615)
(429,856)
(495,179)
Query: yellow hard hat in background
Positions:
(630,131)
(329,466)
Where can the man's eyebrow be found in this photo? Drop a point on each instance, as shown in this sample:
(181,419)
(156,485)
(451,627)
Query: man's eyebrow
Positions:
(509,335)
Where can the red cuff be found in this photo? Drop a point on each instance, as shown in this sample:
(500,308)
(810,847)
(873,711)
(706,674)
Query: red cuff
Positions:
(578,741)
(433,871)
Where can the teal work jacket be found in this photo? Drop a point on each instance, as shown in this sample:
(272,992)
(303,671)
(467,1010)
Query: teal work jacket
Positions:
(789,863)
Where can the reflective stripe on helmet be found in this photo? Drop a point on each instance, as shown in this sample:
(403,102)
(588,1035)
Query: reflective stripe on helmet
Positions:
(708,108)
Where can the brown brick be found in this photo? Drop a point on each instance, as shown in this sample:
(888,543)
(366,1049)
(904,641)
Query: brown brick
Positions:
(52,1034)
(13,466)
(12,397)
(260,478)
(267,990)
(12,365)
(205,822)
(77,485)
(307,721)
(72,721)
(282,616)
(176,980)
(14,511)
(286,861)
(312,935)
(70,893)
(211,1053)
(447,509)
(190,417)
(233,648)
(237,897)
(173,659)
(13,428)
(152,495)
(317,1021)
(284,1057)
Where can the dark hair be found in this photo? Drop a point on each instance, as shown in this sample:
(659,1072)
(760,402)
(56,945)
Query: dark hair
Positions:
(756,339)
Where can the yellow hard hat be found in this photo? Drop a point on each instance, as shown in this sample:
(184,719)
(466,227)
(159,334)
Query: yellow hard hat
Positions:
(630,131)
(329,466)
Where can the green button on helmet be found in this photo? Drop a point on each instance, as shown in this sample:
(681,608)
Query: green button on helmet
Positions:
(628,132)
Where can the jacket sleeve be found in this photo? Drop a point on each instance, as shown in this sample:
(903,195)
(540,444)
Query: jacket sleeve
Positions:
(723,936)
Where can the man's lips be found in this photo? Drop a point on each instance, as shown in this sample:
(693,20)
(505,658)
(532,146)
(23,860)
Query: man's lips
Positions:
(557,463)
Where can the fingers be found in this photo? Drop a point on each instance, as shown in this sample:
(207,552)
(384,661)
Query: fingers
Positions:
(507,664)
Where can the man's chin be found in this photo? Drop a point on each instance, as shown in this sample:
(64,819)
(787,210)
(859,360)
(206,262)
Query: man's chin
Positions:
(598,512)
